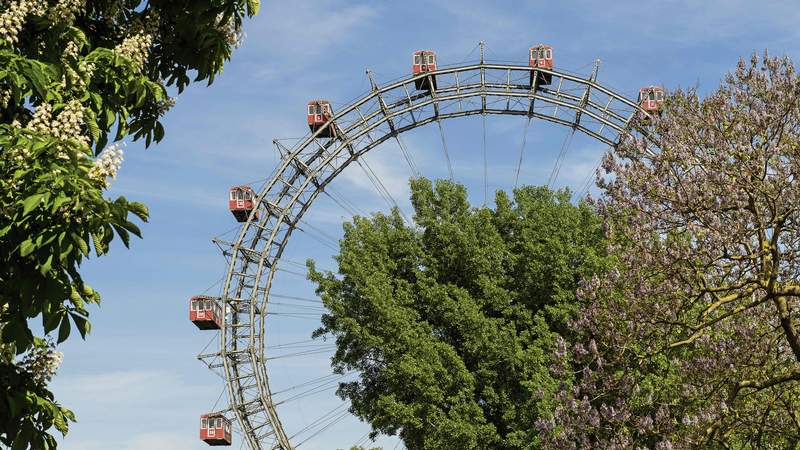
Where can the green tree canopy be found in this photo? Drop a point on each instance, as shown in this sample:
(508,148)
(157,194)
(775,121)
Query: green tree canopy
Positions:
(451,324)
(74,76)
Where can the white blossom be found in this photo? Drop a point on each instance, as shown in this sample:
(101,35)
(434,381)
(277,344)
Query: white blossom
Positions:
(232,30)
(136,46)
(107,164)
(42,363)
(5,98)
(12,19)
(64,11)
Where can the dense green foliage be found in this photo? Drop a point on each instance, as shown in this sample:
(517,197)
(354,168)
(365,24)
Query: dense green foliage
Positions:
(75,75)
(451,325)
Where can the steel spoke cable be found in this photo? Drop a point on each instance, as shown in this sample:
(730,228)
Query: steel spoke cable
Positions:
(322,239)
(560,158)
(293,297)
(341,204)
(291,345)
(214,408)
(292,272)
(466,58)
(321,232)
(314,391)
(304,307)
(333,422)
(213,338)
(298,264)
(315,318)
(216,283)
(485,166)
(318,351)
(315,381)
(296,315)
(362,440)
(522,150)
(587,182)
(408,157)
(346,204)
(381,188)
(446,153)
(321,420)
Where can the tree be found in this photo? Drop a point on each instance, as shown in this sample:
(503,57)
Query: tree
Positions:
(75,75)
(450,323)
(698,329)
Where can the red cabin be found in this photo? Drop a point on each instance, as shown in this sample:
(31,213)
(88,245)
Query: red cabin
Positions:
(205,312)
(242,202)
(651,98)
(320,113)
(541,57)
(424,61)
(215,429)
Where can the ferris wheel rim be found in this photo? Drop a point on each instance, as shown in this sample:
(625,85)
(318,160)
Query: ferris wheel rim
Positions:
(242,355)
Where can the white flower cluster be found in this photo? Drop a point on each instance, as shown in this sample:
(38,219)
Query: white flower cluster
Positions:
(233,31)
(5,98)
(166,105)
(12,19)
(77,76)
(107,164)
(137,45)
(64,11)
(42,363)
(71,50)
(66,125)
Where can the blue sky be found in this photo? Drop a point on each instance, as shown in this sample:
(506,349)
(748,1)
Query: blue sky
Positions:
(135,383)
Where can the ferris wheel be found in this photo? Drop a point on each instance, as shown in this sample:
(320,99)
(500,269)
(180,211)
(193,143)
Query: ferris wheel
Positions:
(247,310)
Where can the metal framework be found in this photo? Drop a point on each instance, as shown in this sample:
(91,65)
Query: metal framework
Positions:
(305,170)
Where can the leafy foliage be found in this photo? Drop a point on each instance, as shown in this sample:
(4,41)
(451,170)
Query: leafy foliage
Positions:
(74,76)
(696,335)
(451,324)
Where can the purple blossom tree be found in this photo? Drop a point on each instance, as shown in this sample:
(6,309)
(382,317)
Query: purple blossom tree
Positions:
(693,341)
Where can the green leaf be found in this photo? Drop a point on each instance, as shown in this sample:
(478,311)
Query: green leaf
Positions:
(91,123)
(81,243)
(111,116)
(45,268)
(26,248)
(30,203)
(123,234)
(50,320)
(130,226)
(84,326)
(139,209)
(60,200)
(64,329)
(158,132)
(17,332)
(60,422)
(253,7)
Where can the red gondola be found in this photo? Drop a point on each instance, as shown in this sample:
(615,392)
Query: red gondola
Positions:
(651,98)
(241,202)
(215,429)
(424,61)
(205,312)
(320,113)
(541,57)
